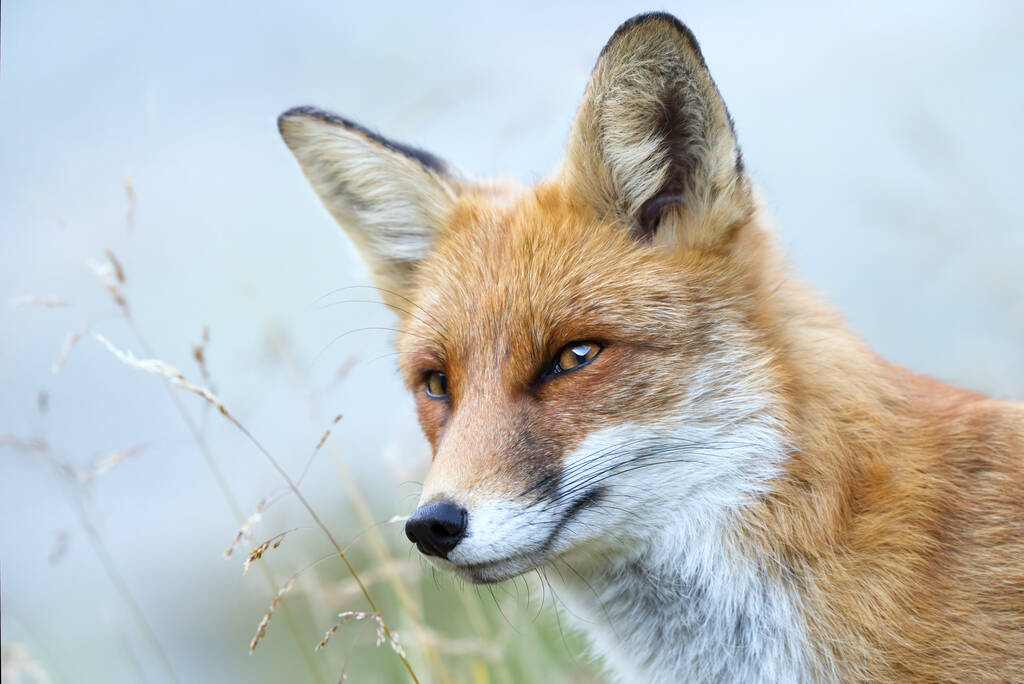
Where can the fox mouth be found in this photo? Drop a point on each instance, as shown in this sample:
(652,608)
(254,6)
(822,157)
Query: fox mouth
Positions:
(492,572)
(512,565)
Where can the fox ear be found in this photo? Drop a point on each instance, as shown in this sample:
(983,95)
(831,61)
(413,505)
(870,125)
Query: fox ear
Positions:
(653,144)
(390,198)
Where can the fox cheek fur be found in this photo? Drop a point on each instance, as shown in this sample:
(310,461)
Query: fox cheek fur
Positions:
(617,374)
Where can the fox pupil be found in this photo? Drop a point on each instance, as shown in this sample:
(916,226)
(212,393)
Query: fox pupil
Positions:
(437,384)
(574,355)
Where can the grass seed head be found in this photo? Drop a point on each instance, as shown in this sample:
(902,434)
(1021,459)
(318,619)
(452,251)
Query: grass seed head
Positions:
(271,543)
(255,555)
(107,463)
(129,200)
(327,636)
(115,265)
(245,530)
(108,275)
(261,629)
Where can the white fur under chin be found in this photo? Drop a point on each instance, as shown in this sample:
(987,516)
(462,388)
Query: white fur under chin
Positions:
(703,613)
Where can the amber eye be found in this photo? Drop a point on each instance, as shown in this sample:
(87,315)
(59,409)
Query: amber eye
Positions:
(575,355)
(437,385)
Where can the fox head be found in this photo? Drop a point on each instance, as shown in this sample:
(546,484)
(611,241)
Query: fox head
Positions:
(588,356)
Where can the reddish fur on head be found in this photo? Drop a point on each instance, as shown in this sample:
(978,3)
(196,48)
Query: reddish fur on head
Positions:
(512,280)
(887,505)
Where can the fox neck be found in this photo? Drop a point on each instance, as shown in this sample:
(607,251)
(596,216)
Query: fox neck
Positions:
(701,610)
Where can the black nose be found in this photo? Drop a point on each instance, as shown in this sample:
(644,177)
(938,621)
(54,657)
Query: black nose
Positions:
(436,529)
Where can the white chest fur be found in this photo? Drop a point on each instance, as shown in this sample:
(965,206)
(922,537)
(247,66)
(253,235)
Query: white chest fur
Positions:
(709,615)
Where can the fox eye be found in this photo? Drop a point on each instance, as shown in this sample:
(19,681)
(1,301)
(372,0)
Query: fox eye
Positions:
(437,385)
(576,354)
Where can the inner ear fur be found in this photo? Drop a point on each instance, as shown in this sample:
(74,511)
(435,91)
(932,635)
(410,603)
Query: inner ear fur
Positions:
(652,144)
(390,198)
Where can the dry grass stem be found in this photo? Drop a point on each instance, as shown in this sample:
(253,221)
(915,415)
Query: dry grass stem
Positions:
(60,547)
(129,200)
(108,275)
(199,354)
(158,367)
(383,634)
(288,586)
(461,647)
(317,448)
(245,531)
(41,450)
(327,432)
(26,447)
(343,591)
(44,301)
(108,462)
(115,265)
(391,636)
(178,379)
(346,367)
(359,504)
(69,344)
(353,615)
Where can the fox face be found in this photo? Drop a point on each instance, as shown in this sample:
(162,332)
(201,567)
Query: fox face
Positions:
(558,364)
(585,354)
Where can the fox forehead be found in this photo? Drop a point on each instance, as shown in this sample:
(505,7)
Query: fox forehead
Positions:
(513,280)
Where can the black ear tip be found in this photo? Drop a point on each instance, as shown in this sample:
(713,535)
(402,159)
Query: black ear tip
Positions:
(649,18)
(301,110)
(309,112)
(426,159)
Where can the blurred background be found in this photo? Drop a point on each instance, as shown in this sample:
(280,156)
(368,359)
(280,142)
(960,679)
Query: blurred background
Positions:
(886,138)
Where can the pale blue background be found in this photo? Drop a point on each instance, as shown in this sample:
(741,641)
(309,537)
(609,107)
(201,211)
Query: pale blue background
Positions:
(886,137)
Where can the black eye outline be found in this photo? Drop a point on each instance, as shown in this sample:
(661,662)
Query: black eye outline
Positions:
(427,376)
(555,369)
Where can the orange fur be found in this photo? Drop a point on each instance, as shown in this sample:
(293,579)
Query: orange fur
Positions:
(903,504)
(899,514)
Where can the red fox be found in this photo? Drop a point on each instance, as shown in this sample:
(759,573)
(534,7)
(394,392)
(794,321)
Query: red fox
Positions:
(618,377)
